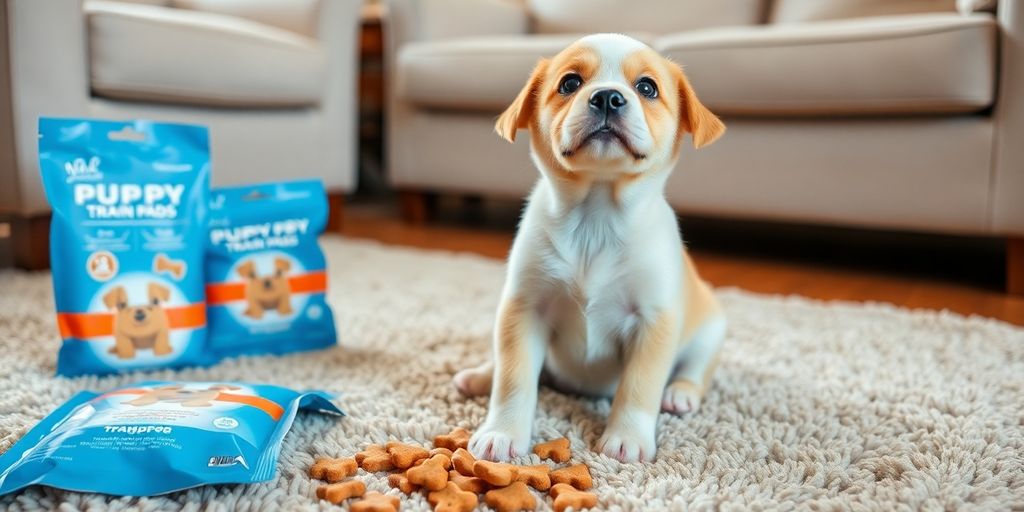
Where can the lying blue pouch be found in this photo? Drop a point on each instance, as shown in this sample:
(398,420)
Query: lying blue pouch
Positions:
(129,203)
(157,437)
(267,279)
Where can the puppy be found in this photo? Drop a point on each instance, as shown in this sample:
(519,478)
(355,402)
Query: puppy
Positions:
(600,293)
(270,293)
(139,327)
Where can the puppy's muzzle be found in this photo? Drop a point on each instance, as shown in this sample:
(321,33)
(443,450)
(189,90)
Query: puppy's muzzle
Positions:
(139,315)
(267,284)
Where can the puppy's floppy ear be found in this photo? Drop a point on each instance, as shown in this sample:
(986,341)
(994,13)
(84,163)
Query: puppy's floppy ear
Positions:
(282,264)
(116,298)
(518,114)
(694,117)
(246,270)
(158,293)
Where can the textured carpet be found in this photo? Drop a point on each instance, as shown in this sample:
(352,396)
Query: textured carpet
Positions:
(816,405)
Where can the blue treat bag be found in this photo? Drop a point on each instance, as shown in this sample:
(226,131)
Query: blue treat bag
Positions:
(267,279)
(157,437)
(129,202)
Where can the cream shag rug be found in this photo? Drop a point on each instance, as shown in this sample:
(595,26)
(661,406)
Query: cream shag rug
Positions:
(815,405)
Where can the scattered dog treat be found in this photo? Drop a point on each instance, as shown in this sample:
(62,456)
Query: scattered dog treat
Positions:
(458,438)
(404,456)
(442,451)
(468,483)
(333,470)
(375,458)
(163,264)
(452,499)
(513,498)
(577,476)
(401,482)
(537,476)
(463,462)
(377,502)
(495,473)
(566,496)
(337,493)
(432,474)
(557,450)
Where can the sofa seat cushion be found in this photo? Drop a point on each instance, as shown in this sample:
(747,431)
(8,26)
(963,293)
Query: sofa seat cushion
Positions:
(482,74)
(926,63)
(162,54)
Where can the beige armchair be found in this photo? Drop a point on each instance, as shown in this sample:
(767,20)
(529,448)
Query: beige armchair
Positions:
(891,114)
(274,80)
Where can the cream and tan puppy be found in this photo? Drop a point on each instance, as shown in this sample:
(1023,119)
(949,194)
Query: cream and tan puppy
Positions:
(600,293)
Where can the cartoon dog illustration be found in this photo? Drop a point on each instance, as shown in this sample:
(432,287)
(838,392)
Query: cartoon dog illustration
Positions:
(186,397)
(269,293)
(139,327)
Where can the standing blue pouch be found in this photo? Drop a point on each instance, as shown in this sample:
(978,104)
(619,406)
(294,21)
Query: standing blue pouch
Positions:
(157,437)
(267,278)
(129,202)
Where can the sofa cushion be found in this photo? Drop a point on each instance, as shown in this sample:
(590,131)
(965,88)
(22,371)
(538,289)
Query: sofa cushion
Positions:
(483,74)
(657,16)
(798,11)
(929,63)
(299,16)
(161,54)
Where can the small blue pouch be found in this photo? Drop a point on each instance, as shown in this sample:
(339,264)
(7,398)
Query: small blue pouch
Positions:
(157,437)
(266,275)
(129,203)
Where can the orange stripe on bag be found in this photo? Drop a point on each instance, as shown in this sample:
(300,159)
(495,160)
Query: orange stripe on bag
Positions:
(273,409)
(222,293)
(94,325)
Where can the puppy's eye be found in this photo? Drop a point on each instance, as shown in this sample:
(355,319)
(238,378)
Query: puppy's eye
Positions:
(647,88)
(122,305)
(155,301)
(279,273)
(570,83)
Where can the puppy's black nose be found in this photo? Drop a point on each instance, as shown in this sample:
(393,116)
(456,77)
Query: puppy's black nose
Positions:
(607,101)
(140,315)
(268,284)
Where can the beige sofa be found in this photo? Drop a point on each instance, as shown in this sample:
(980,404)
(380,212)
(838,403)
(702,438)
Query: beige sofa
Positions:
(274,80)
(893,114)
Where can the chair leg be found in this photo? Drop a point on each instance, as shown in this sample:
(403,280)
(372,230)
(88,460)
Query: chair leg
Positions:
(30,241)
(414,206)
(1015,266)
(336,212)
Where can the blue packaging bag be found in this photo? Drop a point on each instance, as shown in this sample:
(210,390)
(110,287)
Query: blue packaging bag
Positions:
(267,279)
(129,204)
(157,437)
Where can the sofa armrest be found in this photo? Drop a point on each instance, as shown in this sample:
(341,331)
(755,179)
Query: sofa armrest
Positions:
(47,54)
(338,30)
(1008,189)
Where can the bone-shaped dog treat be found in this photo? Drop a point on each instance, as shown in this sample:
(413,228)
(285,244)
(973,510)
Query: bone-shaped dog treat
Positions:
(567,496)
(377,502)
(374,458)
(458,438)
(513,498)
(164,264)
(557,450)
(432,474)
(537,476)
(401,482)
(463,462)
(468,483)
(495,473)
(577,476)
(337,493)
(333,470)
(452,499)
(404,456)
(443,451)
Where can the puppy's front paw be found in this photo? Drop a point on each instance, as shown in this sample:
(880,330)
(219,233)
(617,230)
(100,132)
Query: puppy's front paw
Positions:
(627,446)
(681,397)
(498,445)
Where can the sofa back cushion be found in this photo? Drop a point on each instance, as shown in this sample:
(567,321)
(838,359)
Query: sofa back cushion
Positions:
(651,16)
(299,16)
(798,11)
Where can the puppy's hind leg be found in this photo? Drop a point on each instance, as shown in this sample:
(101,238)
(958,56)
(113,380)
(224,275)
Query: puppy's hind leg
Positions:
(692,376)
(475,381)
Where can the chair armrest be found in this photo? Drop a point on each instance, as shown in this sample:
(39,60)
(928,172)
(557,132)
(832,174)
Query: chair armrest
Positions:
(1008,190)
(338,31)
(49,76)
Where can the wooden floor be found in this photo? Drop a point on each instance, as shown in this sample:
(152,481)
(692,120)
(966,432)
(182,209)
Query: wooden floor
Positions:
(739,267)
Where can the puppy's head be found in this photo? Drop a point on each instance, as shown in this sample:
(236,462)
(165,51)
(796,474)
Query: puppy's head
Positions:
(139,320)
(267,287)
(608,104)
